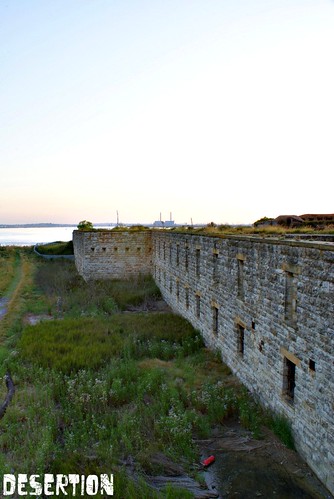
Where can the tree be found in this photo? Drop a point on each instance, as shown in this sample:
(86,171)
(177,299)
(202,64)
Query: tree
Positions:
(85,225)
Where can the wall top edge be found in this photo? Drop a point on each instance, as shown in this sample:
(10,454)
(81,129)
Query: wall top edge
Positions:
(284,241)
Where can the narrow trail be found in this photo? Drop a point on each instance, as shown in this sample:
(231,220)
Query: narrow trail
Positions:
(3,306)
(9,304)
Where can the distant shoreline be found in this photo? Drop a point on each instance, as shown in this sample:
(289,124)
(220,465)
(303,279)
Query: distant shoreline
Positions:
(45,225)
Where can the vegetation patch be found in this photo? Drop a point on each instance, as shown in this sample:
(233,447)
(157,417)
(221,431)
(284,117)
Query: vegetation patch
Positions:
(9,262)
(219,230)
(97,388)
(56,248)
(72,344)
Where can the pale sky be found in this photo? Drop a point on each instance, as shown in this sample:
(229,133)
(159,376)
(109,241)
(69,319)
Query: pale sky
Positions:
(214,110)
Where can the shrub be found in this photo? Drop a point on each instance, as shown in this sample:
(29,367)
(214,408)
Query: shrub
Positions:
(282,429)
(85,225)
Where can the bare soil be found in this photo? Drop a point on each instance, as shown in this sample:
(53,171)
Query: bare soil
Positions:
(248,468)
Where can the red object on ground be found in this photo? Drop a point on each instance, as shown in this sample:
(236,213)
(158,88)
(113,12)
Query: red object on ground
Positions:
(209,460)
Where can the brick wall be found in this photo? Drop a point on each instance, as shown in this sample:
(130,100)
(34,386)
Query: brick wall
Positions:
(112,255)
(266,304)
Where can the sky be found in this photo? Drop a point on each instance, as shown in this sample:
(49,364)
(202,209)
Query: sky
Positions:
(203,110)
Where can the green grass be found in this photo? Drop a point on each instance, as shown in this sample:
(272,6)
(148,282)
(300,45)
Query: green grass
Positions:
(134,293)
(282,429)
(73,344)
(265,231)
(9,263)
(56,248)
(95,386)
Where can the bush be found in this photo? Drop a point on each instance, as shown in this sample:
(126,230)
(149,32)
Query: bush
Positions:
(282,429)
(85,225)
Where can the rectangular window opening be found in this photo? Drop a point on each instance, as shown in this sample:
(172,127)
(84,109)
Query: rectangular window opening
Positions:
(215,320)
(290,302)
(289,380)
(241,293)
(198,262)
(241,340)
(215,267)
(311,365)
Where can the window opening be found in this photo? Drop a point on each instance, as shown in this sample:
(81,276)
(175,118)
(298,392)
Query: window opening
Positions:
(311,365)
(241,339)
(215,320)
(241,279)
(290,303)
(215,267)
(198,262)
(289,381)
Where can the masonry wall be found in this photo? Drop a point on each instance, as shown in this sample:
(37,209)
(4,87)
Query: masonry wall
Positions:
(267,305)
(112,255)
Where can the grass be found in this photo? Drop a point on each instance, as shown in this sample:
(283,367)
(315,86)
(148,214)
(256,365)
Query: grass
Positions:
(265,231)
(96,387)
(72,344)
(9,261)
(68,295)
(282,429)
(213,229)
(17,293)
(56,248)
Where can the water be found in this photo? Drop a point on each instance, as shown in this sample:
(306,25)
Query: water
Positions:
(24,236)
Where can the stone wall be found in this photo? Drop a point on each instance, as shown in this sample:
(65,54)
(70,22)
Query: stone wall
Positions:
(112,255)
(266,304)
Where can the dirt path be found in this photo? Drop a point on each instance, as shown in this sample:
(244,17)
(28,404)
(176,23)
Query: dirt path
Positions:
(10,303)
(3,306)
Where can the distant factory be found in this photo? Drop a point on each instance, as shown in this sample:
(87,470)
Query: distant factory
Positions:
(164,223)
